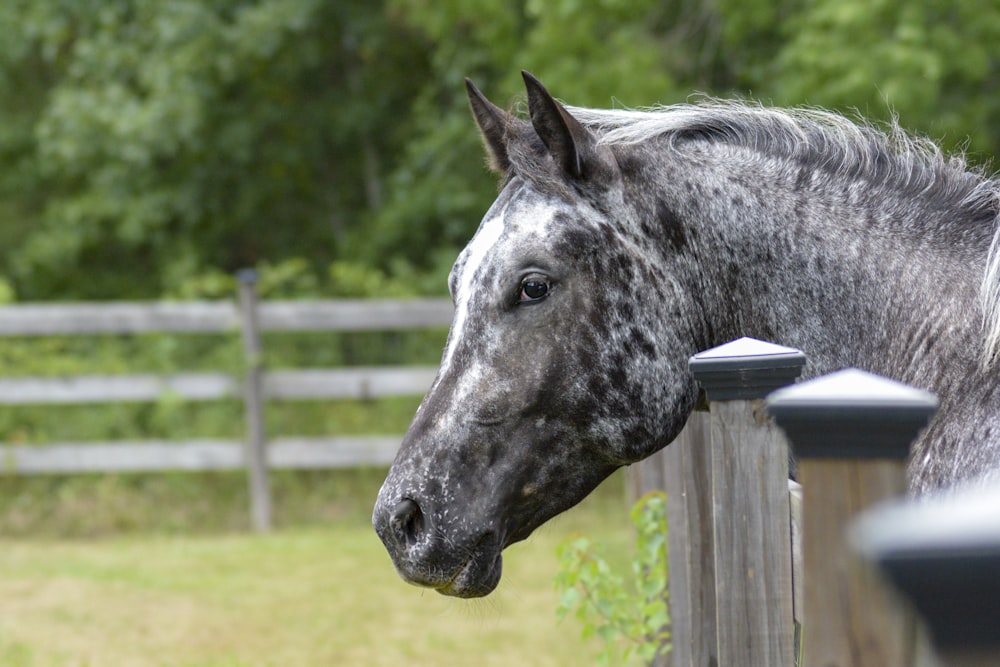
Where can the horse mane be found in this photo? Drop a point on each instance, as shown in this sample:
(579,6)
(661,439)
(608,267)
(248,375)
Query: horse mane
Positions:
(886,157)
(815,137)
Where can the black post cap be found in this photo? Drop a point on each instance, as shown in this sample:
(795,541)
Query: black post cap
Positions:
(745,368)
(851,414)
(942,552)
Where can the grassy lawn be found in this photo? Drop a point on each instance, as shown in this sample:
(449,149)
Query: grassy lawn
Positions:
(302,596)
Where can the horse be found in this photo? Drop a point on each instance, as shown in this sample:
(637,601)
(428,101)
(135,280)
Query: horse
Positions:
(624,241)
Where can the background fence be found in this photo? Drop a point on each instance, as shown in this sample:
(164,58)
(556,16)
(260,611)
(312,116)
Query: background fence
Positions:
(256,385)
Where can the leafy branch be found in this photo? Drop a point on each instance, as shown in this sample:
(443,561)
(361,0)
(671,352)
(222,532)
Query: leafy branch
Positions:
(630,618)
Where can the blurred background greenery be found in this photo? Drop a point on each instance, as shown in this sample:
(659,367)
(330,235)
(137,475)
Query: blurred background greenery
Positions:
(149,149)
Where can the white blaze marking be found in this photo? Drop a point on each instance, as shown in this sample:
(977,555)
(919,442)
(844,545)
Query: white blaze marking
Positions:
(482,244)
(476,252)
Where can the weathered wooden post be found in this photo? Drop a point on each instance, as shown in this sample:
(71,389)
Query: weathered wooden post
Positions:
(751,540)
(851,432)
(255,445)
(687,480)
(943,554)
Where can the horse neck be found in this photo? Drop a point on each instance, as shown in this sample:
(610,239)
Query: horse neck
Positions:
(852,275)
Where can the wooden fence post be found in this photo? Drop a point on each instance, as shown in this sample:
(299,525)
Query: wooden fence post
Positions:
(688,483)
(851,432)
(943,554)
(683,471)
(754,616)
(255,448)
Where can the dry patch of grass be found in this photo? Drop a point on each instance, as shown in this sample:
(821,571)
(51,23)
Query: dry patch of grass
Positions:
(298,597)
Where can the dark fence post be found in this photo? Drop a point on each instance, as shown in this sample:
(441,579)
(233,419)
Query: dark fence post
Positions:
(851,432)
(751,534)
(255,451)
(943,554)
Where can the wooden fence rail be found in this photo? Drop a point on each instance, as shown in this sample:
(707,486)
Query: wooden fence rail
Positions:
(196,455)
(292,384)
(221,316)
(255,387)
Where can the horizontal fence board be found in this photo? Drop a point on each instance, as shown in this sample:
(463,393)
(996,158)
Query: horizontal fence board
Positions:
(339,452)
(350,383)
(195,455)
(125,456)
(354,315)
(123,317)
(136,317)
(116,388)
(358,383)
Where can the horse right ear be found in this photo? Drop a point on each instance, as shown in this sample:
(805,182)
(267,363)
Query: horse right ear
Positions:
(493,122)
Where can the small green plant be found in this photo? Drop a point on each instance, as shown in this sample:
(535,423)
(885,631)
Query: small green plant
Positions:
(630,618)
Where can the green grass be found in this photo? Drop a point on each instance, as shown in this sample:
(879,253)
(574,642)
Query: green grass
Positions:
(320,595)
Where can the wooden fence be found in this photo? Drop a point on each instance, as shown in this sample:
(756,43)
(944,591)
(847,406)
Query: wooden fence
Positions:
(255,386)
(762,571)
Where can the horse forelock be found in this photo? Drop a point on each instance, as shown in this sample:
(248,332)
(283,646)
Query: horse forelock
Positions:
(530,161)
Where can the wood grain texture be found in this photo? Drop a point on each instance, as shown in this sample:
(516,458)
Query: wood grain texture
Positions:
(853,619)
(752,536)
(691,545)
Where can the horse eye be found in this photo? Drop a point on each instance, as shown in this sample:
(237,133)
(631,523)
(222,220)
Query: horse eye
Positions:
(533,290)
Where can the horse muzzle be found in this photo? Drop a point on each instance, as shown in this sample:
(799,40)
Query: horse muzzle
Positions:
(428,553)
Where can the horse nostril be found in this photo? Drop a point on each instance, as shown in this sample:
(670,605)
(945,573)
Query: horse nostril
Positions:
(407,521)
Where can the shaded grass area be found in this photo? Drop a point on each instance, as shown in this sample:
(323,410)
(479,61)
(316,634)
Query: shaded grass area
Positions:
(90,506)
(320,595)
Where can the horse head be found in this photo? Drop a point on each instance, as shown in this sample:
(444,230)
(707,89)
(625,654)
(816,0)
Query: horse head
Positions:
(566,358)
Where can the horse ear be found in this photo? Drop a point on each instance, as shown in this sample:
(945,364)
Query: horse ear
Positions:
(493,122)
(572,146)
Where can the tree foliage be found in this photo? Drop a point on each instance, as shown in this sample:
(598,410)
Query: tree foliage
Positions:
(146,145)
(174,137)
(933,64)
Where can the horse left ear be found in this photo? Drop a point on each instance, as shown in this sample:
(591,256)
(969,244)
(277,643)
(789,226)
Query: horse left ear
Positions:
(493,123)
(573,147)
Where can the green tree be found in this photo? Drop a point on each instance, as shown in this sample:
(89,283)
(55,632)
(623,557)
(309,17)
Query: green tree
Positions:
(152,140)
(935,64)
